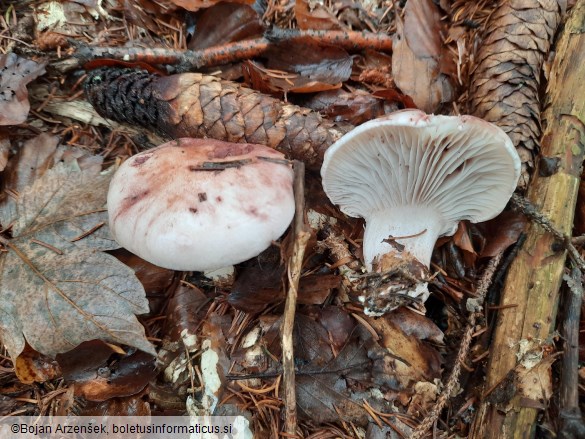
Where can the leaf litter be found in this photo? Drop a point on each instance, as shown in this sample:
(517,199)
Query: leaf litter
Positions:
(403,352)
(55,275)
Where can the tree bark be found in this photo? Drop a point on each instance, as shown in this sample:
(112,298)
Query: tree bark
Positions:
(534,278)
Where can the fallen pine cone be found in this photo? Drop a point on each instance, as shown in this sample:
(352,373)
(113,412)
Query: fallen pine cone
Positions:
(197,105)
(505,83)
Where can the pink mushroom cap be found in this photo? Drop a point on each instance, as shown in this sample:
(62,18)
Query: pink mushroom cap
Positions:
(201,204)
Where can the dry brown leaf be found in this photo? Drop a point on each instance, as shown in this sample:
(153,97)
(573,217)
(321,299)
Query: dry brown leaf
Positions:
(155,280)
(415,325)
(15,74)
(299,68)
(195,5)
(185,311)
(323,390)
(238,22)
(505,83)
(315,17)
(147,13)
(462,240)
(501,232)
(53,277)
(413,361)
(354,107)
(30,367)
(258,283)
(338,324)
(417,54)
(31,161)
(334,358)
(135,405)
(100,374)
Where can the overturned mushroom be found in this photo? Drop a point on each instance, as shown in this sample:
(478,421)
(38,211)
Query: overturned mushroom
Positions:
(201,204)
(413,177)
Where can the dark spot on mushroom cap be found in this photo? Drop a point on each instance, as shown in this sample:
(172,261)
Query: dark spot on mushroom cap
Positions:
(218,199)
(130,201)
(254,212)
(193,209)
(140,160)
(202,196)
(223,150)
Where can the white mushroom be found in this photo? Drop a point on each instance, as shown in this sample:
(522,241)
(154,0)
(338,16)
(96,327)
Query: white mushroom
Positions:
(414,176)
(201,204)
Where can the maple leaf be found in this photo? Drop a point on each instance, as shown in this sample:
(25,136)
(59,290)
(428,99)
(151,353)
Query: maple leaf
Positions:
(15,73)
(57,289)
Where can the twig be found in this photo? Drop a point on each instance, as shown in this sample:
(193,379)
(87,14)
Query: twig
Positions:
(482,289)
(301,237)
(349,40)
(188,60)
(572,424)
(532,212)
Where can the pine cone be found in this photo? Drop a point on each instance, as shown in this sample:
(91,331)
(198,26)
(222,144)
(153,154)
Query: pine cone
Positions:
(197,105)
(505,82)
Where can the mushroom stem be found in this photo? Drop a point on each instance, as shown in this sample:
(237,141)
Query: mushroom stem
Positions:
(412,229)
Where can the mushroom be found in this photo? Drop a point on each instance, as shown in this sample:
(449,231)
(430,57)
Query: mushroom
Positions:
(201,204)
(413,177)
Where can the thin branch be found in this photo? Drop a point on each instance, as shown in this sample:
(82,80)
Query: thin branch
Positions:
(295,263)
(453,380)
(190,60)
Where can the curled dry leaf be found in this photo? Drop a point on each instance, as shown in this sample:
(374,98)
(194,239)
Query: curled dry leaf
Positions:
(501,232)
(299,68)
(417,326)
(53,278)
(185,311)
(15,74)
(354,107)
(30,367)
(100,374)
(416,60)
(505,83)
(238,22)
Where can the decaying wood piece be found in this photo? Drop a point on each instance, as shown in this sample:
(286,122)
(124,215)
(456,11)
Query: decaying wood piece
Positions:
(197,105)
(505,82)
(534,278)
(572,423)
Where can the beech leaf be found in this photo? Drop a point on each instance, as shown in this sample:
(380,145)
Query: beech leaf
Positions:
(56,289)
(416,56)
